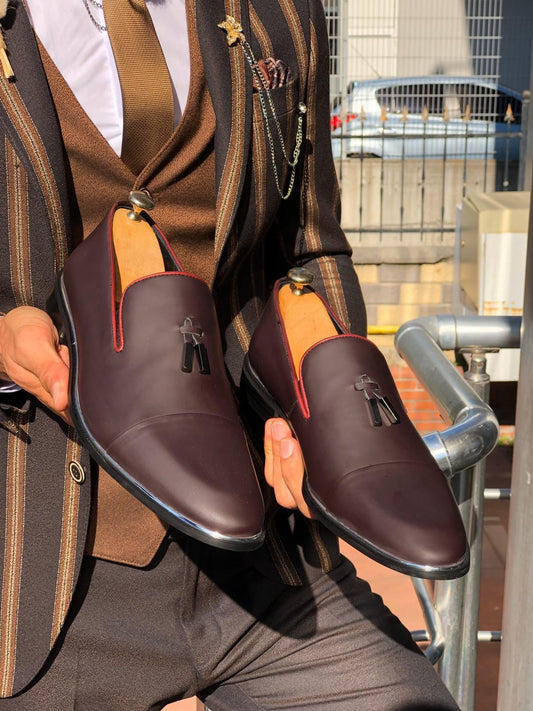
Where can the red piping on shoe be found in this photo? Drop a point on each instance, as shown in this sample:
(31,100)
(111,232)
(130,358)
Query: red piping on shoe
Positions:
(298,382)
(119,342)
(319,343)
(119,348)
(167,243)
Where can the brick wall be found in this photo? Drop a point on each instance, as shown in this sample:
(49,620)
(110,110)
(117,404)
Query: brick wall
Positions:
(394,294)
(420,407)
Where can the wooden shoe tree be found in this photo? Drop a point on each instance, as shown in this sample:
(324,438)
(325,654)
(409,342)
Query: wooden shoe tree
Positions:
(306,322)
(137,250)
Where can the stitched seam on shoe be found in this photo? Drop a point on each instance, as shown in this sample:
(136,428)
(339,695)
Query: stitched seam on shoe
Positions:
(302,400)
(170,415)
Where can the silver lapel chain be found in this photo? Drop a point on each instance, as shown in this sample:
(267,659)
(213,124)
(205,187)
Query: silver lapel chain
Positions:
(235,34)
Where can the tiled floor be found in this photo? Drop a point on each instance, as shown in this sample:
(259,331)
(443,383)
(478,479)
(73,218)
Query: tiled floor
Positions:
(398,592)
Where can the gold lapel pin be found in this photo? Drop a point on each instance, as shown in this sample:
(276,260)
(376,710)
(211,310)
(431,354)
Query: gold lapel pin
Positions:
(233,30)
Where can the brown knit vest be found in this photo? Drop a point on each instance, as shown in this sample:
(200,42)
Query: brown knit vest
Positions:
(181,179)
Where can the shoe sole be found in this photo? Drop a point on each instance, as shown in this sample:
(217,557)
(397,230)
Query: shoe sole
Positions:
(58,308)
(265,406)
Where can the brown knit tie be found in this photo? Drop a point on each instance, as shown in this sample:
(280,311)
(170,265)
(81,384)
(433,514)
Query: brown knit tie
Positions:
(147,98)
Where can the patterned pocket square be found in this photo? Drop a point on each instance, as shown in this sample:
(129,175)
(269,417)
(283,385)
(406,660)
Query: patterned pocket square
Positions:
(274,72)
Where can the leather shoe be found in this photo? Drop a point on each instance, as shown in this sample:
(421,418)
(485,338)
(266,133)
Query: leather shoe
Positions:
(149,395)
(369,476)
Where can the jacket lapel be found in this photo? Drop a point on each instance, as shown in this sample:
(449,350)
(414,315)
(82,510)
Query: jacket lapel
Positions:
(230,85)
(29,122)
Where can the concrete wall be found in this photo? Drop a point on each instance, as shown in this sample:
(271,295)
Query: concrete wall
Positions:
(395,293)
(433,38)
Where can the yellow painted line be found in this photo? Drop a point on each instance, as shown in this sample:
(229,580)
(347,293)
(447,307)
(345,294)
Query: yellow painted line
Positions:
(381,330)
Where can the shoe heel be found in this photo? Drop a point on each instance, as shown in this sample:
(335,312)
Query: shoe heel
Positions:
(256,396)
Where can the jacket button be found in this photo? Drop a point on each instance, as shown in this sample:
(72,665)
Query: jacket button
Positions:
(76,472)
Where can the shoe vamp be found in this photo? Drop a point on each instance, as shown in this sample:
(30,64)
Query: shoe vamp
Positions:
(145,379)
(339,432)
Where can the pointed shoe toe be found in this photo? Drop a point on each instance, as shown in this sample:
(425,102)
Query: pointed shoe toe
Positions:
(395,514)
(176,453)
(369,475)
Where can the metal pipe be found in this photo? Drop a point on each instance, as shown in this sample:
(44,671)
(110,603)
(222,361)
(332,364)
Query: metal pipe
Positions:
(432,619)
(451,332)
(497,494)
(474,430)
(449,597)
(480,382)
(482,636)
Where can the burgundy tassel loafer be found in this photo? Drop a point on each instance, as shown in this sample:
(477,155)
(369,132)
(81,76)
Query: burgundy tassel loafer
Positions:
(149,395)
(369,476)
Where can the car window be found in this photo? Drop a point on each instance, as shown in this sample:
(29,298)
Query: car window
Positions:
(480,99)
(413,97)
(484,101)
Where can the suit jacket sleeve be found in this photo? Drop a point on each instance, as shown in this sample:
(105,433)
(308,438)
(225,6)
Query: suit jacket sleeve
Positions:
(317,241)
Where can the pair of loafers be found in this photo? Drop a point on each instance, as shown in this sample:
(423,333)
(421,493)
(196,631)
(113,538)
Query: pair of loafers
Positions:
(149,395)
(150,400)
(369,476)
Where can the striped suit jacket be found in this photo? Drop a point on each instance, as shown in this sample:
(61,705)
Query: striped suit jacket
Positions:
(44,471)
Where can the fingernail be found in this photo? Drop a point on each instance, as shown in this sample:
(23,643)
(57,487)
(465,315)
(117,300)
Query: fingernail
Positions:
(279,430)
(286,448)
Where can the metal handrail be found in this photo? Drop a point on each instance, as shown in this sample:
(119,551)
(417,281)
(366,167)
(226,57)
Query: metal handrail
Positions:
(474,430)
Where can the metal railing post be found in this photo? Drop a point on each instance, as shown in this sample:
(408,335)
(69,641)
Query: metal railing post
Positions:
(525,141)
(449,596)
(479,380)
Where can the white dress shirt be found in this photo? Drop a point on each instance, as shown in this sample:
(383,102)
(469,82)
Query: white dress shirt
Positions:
(83,55)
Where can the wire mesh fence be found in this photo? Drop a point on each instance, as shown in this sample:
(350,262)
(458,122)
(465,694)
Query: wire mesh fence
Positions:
(418,117)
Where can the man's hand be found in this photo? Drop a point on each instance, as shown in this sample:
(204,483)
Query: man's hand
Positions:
(31,356)
(284,465)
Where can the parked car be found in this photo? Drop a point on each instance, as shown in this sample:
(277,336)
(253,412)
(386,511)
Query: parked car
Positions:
(415,109)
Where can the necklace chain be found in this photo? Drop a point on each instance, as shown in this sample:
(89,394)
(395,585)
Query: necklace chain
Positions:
(263,89)
(95,22)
